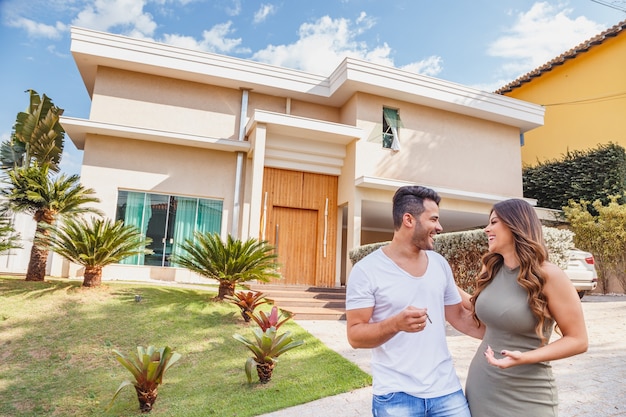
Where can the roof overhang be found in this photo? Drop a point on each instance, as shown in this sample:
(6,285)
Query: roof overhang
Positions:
(392,185)
(78,129)
(92,49)
(376,215)
(302,127)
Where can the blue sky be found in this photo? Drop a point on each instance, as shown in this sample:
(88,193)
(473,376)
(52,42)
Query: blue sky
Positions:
(481,43)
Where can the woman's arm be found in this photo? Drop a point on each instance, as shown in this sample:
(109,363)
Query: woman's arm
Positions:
(564,305)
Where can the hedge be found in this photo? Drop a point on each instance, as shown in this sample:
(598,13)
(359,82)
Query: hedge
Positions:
(464,250)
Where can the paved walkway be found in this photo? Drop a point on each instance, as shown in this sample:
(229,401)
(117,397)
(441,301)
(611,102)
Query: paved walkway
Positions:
(590,385)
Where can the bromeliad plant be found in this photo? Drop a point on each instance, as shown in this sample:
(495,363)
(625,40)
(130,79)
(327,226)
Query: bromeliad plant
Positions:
(273,320)
(148,366)
(247,301)
(266,347)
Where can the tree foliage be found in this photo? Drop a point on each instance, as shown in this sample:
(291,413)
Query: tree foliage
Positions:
(33,191)
(230,262)
(581,175)
(603,234)
(9,238)
(29,158)
(94,244)
(37,136)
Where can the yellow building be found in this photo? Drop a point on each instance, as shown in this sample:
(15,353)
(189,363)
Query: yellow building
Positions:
(584,93)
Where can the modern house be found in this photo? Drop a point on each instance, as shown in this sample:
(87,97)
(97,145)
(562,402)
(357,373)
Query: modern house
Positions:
(179,141)
(584,93)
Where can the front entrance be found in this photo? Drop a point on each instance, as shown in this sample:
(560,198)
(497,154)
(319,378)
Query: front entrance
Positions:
(296,251)
(299,217)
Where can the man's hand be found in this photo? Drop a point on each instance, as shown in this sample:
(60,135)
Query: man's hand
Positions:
(412,319)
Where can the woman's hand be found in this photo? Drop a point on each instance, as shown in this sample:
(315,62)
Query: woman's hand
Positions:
(511,358)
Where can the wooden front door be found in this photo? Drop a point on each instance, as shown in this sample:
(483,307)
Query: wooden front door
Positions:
(299,215)
(297,252)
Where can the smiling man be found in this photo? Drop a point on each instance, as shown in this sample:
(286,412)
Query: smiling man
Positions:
(398,300)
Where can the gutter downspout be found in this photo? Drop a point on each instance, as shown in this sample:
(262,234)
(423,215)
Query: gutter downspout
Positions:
(239,170)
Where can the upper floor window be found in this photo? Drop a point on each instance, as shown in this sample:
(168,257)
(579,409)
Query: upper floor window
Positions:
(391,125)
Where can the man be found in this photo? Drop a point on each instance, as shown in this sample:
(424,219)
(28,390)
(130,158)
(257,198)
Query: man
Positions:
(398,300)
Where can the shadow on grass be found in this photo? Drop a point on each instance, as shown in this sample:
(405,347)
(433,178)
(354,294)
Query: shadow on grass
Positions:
(17,286)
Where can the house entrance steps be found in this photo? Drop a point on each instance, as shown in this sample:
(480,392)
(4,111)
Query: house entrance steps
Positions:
(307,303)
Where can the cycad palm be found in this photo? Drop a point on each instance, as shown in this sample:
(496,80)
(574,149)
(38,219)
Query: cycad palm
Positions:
(94,244)
(230,263)
(31,190)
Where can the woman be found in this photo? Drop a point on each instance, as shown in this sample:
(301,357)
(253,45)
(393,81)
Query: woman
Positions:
(518,298)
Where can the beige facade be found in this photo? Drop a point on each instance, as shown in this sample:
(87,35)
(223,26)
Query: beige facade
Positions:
(291,156)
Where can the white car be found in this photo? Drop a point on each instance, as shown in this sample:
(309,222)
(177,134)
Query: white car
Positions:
(581,270)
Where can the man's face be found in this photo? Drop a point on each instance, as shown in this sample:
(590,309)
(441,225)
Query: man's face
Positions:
(427,226)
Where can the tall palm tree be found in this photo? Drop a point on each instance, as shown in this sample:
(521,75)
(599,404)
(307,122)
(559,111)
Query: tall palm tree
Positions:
(231,262)
(94,244)
(33,151)
(31,190)
(37,136)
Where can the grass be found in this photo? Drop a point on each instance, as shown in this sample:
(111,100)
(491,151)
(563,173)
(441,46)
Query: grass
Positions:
(56,340)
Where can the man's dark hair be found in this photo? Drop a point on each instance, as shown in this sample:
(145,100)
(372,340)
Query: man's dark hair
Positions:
(410,199)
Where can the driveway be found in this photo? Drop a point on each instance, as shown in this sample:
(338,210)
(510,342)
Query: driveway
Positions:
(590,385)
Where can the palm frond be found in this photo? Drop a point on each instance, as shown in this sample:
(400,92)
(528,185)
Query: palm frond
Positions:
(234,260)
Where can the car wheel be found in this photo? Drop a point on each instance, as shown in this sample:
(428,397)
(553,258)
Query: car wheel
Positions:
(581,294)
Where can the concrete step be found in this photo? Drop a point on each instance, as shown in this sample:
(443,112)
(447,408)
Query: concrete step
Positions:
(307,303)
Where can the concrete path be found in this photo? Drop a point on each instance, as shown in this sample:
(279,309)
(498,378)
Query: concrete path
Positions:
(590,385)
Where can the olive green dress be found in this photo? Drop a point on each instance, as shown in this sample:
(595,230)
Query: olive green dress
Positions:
(525,390)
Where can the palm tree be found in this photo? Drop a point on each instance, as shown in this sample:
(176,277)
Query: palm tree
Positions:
(9,238)
(230,263)
(37,136)
(94,244)
(33,151)
(31,190)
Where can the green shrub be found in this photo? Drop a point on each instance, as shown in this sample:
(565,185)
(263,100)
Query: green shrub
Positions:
(464,250)
(604,235)
(588,175)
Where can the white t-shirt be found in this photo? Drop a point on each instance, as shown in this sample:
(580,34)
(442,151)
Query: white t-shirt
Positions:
(419,363)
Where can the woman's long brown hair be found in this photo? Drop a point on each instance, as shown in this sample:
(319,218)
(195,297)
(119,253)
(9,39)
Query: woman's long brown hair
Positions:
(521,219)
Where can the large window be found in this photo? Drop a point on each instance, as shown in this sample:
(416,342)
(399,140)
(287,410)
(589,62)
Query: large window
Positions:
(168,220)
(391,125)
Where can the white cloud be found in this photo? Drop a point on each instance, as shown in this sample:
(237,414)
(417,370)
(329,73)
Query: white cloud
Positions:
(490,86)
(539,35)
(323,44)
(264,12)
(39,30)
(235,9)
(431,66)
(364,22)
(213,40)
(125,14)
(53,50)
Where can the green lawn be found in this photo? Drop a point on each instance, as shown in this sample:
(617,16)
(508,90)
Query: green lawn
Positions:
(56,340)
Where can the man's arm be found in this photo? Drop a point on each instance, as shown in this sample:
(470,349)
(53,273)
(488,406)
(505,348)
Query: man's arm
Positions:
(462,319)
(363,334)
(465,298)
